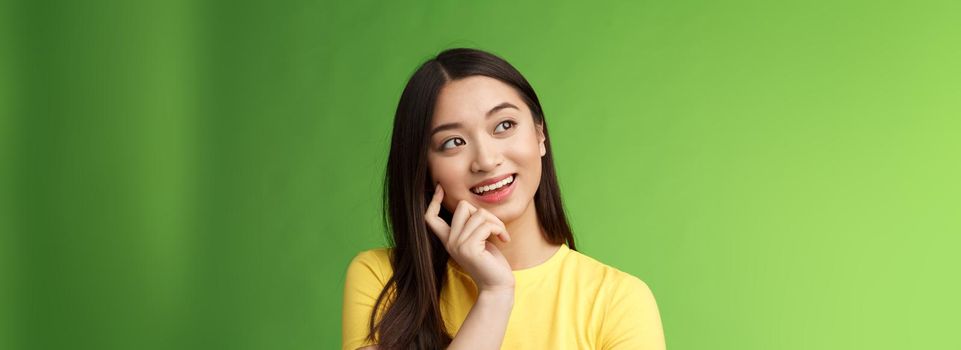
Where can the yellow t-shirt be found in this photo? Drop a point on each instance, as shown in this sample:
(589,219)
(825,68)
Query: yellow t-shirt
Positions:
(571,301)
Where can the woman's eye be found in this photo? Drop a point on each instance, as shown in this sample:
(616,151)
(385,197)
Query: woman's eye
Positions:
(457,141)
(507,124)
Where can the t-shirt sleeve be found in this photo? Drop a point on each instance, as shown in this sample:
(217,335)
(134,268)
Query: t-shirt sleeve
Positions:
(364,281)
(632,320)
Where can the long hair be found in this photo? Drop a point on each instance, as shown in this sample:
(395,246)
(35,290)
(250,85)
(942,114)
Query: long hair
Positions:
(411,298)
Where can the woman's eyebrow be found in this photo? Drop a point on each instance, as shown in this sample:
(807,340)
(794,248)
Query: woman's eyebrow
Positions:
(500,107)
(491,112)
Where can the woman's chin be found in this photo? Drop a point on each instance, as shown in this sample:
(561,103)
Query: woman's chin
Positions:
(510,212)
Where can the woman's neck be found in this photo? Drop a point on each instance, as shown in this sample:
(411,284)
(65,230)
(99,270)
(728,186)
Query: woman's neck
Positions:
(528,246)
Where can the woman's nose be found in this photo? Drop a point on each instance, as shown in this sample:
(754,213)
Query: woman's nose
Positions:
(487,156)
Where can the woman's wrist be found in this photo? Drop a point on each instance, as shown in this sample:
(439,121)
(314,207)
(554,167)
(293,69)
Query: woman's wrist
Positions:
(486,323)
(497,295)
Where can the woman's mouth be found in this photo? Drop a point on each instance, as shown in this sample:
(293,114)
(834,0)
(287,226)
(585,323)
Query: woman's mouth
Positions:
(496,192)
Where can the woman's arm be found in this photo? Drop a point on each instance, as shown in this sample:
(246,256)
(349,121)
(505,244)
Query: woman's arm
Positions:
(466,239)
(485,324)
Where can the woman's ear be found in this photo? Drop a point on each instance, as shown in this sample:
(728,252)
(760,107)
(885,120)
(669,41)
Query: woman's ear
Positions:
(541,138)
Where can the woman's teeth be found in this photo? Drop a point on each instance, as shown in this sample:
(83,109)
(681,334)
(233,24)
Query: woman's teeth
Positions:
(491,187)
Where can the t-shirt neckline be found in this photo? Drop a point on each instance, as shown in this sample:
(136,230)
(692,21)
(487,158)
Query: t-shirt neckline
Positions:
(544,266)
(533,271)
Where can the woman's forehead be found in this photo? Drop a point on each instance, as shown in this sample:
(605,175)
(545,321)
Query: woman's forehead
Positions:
(473,98)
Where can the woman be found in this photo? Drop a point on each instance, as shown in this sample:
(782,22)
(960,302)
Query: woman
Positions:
(482,256)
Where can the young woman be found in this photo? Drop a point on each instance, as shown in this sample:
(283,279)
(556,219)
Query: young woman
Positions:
(481,255)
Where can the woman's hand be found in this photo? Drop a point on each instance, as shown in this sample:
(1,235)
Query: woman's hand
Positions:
(466,240)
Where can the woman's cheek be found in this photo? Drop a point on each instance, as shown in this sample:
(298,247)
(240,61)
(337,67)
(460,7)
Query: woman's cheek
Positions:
(450,200)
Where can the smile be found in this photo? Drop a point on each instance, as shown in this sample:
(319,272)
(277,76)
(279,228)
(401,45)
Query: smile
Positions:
(497,191)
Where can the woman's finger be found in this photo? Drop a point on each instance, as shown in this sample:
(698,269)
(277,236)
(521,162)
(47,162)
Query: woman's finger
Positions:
(472,224)
(461,214)
(432,216)
(505,236)
(483,232)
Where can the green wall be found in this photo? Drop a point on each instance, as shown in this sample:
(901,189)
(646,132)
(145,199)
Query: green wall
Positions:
(182,174)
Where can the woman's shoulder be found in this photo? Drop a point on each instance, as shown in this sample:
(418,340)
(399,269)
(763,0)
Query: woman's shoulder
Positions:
(631,316)
(611,275)
(374,254)
(371,263)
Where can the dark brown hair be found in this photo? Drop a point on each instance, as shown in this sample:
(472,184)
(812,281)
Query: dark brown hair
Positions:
(412,319)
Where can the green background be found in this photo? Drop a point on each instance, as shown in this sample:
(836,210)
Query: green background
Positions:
(182,174)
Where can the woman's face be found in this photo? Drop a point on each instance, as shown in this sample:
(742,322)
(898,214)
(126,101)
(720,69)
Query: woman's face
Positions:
(482,130)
